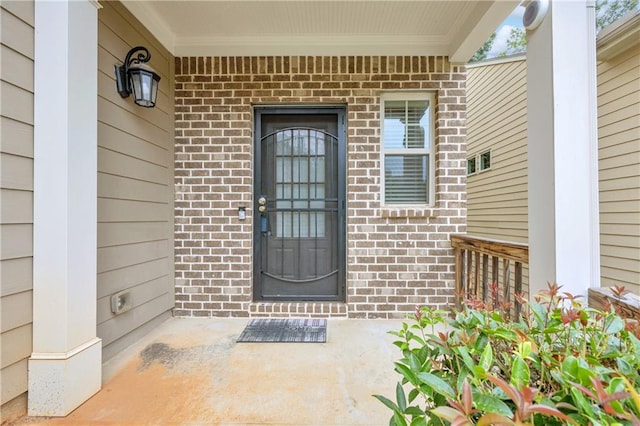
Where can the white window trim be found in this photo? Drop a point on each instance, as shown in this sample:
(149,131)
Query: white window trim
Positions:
(475,159)
(478,159)
(410,96)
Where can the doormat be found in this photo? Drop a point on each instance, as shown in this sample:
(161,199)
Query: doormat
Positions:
(285,330)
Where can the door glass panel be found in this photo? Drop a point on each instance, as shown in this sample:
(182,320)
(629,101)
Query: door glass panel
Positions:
(283,143)
(300,183)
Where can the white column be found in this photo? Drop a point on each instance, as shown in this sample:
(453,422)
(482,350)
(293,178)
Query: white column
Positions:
(594,183)
(563,175)
(65,366)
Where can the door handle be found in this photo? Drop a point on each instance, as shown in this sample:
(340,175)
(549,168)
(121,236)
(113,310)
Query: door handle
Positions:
(262,208)
(262,204)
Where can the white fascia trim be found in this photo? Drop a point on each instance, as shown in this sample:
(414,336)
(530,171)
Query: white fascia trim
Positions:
(482,22)
(315,45)
(154,23)
(619,36)
(498,60)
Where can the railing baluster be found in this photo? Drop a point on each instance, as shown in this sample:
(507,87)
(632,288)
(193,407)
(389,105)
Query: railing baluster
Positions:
(469,272)
(476,275)
(477,259)
(459,276)
(517,289)
(485,276)
(506,269)
(495,280)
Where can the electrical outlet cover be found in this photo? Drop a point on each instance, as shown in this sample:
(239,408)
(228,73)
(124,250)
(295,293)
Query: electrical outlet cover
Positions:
(121,302)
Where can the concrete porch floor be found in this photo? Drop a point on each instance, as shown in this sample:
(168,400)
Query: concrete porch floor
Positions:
(192,372)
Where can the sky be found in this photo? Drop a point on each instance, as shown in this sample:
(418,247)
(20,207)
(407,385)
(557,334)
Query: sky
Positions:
(515,21)
(502,34)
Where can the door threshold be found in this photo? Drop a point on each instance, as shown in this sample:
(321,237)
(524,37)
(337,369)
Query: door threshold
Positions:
(299,309)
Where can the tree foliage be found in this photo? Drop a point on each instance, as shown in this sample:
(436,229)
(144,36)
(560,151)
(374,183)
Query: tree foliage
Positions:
(484,50)
(607,12)
(516,43)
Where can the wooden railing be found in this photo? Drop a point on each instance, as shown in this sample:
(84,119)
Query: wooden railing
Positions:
(484,270)
(627,305)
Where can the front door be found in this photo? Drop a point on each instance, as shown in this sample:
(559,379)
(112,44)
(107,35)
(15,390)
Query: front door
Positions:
(299,201)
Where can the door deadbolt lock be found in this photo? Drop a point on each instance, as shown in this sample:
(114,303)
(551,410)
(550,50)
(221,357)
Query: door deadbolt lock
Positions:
(262,201)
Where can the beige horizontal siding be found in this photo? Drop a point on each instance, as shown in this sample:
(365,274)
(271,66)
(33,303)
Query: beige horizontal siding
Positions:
(143,293)
(19,349)
(16,241)
(15,137)
(16,311)
(118,164)
(496,120)
(114,186)
(16,103)
(13,68)
(116,257)
(115,280)
(16,172)
(14,381)
(16,196)
(16,275)
(619,168)
(16,26)
(135,187)
(117,140)
(497,199)
(144,312)
(16,207)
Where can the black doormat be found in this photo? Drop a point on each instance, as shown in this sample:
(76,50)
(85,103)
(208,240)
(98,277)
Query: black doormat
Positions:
(285,330)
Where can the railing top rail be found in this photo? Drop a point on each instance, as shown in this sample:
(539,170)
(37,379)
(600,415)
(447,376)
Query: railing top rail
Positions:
(628,306)
(505,249)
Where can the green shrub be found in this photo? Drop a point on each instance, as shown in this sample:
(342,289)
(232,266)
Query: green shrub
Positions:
(560,363)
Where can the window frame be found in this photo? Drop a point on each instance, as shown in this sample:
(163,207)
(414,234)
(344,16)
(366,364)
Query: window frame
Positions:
(481,164)
(477,159)
(430,152)
(472,160)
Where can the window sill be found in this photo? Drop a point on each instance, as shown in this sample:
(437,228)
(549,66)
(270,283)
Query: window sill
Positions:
(407,212)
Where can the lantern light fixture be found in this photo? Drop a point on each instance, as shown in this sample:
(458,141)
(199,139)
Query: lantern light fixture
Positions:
(135,77)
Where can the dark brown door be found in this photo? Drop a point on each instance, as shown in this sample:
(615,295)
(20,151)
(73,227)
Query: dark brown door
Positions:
(299,203)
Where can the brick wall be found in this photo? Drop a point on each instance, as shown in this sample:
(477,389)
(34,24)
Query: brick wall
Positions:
(396,258)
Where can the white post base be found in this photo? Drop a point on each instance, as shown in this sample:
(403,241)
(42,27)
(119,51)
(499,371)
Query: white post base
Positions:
(60,382)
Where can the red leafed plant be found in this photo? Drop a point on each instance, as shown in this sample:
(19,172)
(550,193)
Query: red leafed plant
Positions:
(560,363)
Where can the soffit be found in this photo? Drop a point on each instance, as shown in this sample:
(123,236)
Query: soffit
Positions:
(330,27)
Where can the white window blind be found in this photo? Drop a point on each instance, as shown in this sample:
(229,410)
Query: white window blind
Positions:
(407,148)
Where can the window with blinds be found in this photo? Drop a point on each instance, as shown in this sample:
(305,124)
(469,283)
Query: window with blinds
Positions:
(407,148)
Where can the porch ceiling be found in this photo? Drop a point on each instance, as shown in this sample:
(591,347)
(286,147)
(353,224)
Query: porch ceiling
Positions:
(332,27)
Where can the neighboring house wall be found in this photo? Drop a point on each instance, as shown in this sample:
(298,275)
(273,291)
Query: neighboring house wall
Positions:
(618,142)
(619,167)
(16,202)
(396,258)
(497,122)
(135,187)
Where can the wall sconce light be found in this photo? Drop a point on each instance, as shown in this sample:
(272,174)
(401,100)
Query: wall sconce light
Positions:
(134,76)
